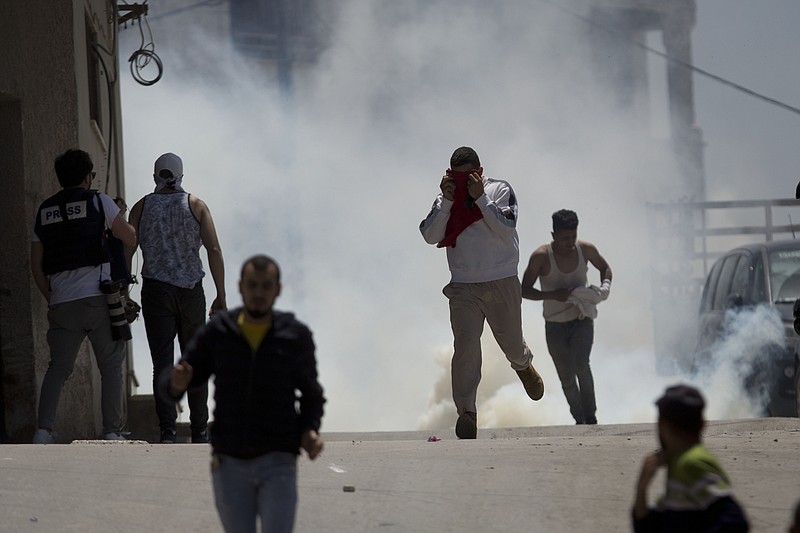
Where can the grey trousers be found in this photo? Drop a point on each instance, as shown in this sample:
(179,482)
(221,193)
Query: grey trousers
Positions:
(70,323)
(471,304)
(570,344)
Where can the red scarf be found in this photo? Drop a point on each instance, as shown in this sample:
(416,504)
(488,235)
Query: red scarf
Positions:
(464,211)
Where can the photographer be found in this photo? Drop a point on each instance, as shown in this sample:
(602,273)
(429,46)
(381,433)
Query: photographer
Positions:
(70,263)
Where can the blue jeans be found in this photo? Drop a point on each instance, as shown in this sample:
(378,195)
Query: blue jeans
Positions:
(169,311)
(570,344)
(246,488)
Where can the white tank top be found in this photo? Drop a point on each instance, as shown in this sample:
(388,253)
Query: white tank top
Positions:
(555,311)
(169,236)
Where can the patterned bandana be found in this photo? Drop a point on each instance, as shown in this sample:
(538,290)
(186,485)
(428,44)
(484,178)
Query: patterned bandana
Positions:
(168,183)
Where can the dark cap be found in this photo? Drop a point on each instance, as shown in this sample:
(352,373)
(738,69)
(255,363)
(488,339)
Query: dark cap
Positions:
(682,405)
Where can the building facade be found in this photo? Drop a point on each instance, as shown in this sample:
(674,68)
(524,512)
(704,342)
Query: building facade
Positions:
(58,91)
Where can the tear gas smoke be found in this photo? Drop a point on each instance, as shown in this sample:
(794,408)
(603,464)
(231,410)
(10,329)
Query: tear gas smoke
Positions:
(741,355)
(334,183)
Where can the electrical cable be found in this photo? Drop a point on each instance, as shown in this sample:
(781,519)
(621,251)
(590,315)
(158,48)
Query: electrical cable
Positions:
(144,56)
(139,60)
(675,60)
(585,19)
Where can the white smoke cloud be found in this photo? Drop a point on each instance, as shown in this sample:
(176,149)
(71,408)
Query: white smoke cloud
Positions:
(334,183)
(742,351)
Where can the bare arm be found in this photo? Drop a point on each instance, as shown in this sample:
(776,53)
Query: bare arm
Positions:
(593,256)
(650,466)
(529,277)
(130,250)
(42,283)
(208,234)
(123,231)
(536,269)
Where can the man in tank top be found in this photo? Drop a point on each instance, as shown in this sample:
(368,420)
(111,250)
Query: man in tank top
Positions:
(561,266)
(171,226)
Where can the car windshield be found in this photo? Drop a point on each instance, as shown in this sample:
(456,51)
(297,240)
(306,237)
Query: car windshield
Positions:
(784,272)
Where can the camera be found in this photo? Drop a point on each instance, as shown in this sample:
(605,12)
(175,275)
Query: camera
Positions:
(120,329)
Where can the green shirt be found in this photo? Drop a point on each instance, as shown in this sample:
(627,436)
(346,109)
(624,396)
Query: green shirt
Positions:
(695,480)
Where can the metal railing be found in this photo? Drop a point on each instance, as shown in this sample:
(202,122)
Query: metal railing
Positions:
(687,237)
(686,230)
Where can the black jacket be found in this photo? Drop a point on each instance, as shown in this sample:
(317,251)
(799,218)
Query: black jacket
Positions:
(723,516)
(265,399)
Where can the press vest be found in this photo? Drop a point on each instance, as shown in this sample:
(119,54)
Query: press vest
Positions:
(70,227)
(169,235)
(555,311)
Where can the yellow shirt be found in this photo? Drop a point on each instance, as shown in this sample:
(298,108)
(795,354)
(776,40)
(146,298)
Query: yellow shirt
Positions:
(254,333)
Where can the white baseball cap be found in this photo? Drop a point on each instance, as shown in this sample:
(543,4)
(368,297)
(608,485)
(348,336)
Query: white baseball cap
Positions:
(171,162)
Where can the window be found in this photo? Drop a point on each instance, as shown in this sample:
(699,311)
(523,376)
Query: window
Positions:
(741,278)
(759,281)
(724,282)
(707,301)
(785,275)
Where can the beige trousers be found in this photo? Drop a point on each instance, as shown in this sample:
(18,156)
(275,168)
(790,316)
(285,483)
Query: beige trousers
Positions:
(471,304)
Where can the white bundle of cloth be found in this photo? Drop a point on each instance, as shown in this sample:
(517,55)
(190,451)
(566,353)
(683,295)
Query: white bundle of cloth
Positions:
(587,298)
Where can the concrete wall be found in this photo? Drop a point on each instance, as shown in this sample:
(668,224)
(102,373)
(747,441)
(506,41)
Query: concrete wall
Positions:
(44,110)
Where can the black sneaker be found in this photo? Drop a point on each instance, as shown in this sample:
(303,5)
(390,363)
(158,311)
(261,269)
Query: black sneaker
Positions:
(169,436)
(467,425)
(200,437)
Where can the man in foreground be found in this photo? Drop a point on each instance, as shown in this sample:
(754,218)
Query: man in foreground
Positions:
(698,495)
(263,362)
